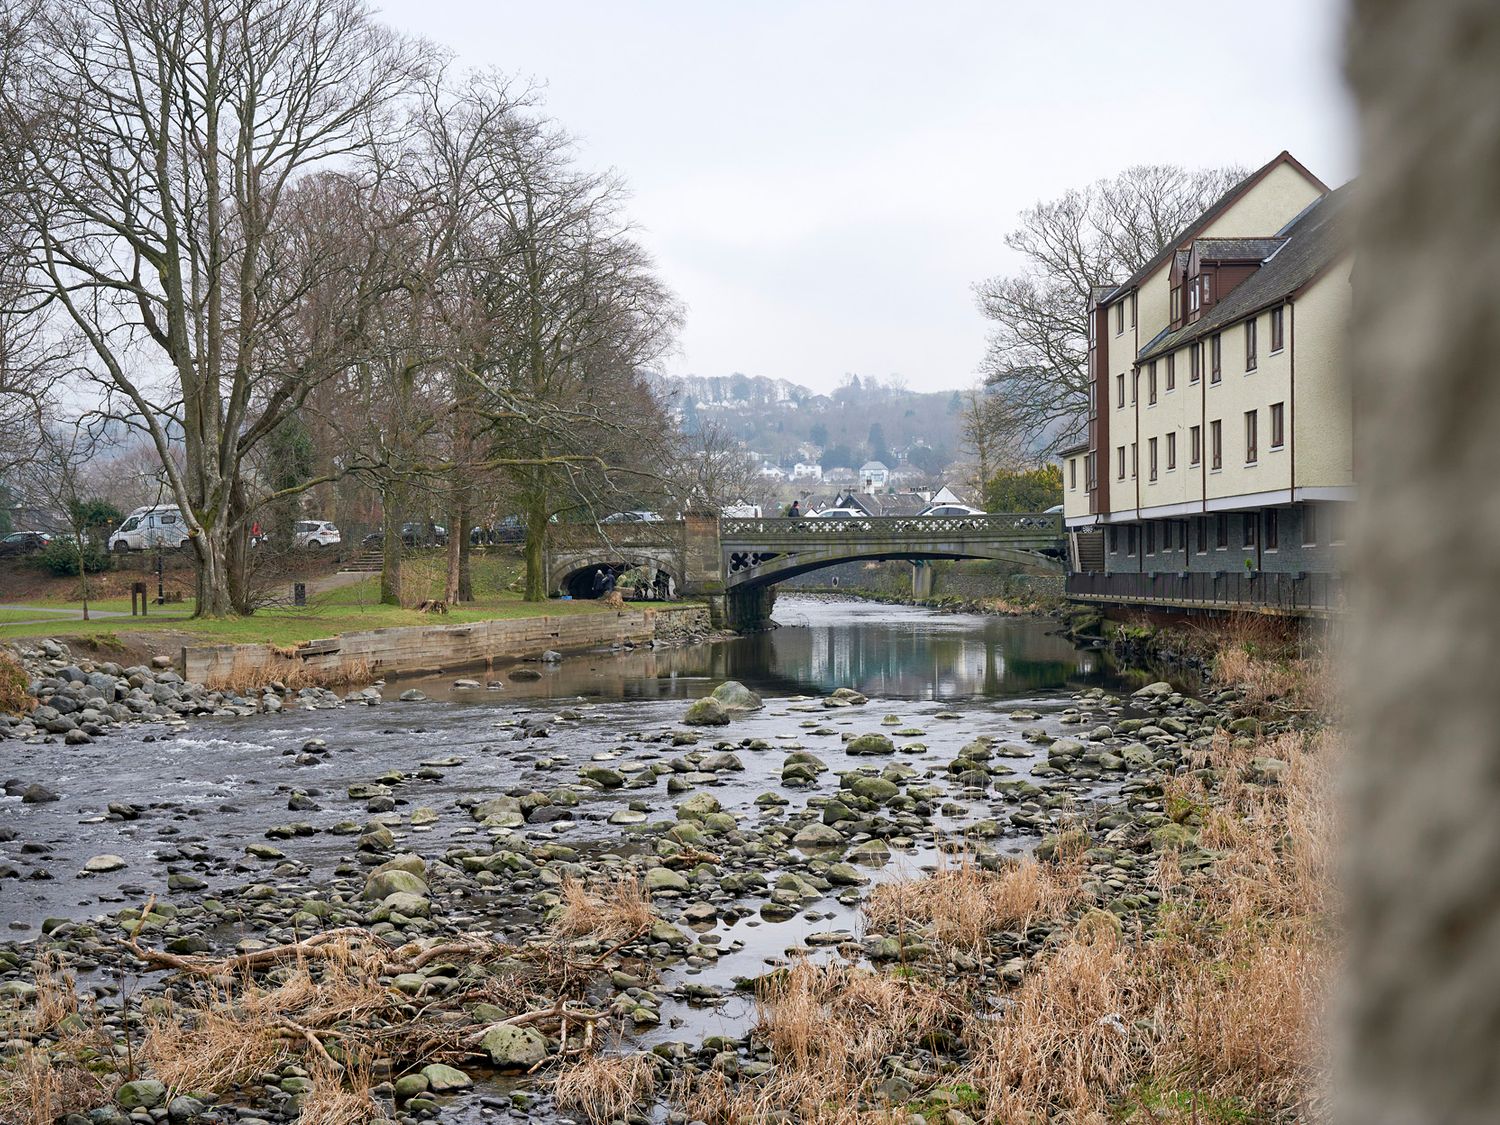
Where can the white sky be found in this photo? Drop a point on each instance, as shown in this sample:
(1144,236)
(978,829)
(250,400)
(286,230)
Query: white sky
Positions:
(822,181)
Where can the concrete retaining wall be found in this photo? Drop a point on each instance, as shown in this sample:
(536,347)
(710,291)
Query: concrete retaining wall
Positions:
(436,648)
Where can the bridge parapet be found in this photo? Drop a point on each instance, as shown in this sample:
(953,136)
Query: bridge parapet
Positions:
(1020,526)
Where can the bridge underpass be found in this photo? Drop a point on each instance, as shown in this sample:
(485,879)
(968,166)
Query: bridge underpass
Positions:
(735,564)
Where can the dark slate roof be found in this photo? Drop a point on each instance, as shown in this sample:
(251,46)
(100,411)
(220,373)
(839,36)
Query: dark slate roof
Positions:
(1313,241)
(1237,249)
(1210,214)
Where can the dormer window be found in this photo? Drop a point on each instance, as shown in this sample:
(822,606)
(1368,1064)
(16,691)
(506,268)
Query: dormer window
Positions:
(1205,290)
(1193,296)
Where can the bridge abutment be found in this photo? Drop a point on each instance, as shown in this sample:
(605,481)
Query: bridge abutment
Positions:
(922,579)
(745,609)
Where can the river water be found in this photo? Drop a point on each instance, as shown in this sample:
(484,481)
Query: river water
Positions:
(208,789)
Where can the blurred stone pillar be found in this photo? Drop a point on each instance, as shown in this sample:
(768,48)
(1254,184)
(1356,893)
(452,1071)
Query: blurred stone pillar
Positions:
(1420,1013)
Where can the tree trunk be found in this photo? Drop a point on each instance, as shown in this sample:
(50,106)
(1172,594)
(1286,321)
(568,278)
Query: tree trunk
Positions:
(390,547)
(536,538)
(237,559)
(1421,989)
(210,547)
(457,537)
(465,550)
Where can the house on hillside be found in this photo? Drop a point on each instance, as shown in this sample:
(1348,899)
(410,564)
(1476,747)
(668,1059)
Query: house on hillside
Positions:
(840,476)
(1217,470)
(773,472)
(873,476)
(804,471)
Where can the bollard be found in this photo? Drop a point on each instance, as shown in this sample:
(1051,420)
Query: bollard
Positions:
(299,593)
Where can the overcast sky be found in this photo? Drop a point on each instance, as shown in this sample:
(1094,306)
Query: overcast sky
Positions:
(822,181)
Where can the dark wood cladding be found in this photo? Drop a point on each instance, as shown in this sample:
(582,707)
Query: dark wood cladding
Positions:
(1099,411)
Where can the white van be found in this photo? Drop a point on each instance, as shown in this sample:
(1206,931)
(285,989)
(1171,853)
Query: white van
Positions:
(147,528)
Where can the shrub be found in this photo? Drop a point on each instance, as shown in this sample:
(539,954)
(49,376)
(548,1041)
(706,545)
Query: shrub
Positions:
(61,557)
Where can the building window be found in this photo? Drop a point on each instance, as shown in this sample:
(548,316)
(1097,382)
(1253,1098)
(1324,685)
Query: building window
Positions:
(1216,358)
(1150,537)
(1119,318)
(1166,537)
(1120,455)
(1135,386)
(1193,295)
(1207,289)
(1203,535)
(1248,523)
(1171,451)
(1195,358)
(1073,474)
(1132,310)
(1278,425)
(1135,461)
(1216,444)
(1151,457)
(1221,532)
(1252,428)
(1278,328)
(1151,382)
(1120,391)
(1114,540)
(1093,473)
(1130,540)
(1177,304)
(1250,344)
(1196,445)
(1273,529)
(1172,371)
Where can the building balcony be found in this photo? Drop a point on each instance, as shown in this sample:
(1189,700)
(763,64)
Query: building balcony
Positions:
(1301,594)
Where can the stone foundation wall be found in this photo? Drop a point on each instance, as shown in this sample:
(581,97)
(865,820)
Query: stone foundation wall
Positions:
(436,648)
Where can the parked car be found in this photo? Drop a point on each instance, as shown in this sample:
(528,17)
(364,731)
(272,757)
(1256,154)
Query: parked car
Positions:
(23,543)
(148,528)
(952,510)
(417,534)
(632,517)
(837,514)
(512,529)
(315,533)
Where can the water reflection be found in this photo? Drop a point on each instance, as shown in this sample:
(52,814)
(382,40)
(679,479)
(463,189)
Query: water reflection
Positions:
(896,652)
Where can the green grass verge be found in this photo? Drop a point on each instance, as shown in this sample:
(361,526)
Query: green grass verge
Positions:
(346,609)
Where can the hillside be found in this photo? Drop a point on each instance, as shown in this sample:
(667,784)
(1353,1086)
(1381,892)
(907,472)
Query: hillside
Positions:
(784,422)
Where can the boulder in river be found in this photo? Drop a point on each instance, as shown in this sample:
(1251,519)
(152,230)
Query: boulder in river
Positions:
(871,744)
(734,697)
(382,884)
(511,1047)
(706,712)
(845,697)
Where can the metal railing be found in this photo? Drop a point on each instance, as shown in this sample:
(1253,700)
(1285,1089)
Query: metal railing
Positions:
(1000,525)
(1303,592)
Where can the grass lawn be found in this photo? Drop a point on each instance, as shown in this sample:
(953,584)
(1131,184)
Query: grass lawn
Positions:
(345,609)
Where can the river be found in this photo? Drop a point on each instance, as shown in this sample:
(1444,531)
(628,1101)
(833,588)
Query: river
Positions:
(207,789)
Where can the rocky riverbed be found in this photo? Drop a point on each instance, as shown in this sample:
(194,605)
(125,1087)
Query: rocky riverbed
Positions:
(514,887)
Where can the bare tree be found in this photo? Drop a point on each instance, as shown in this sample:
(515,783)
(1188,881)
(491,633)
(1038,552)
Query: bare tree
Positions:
(992,439)
(161,145)
(1037,359)
(55,478)
(714,470)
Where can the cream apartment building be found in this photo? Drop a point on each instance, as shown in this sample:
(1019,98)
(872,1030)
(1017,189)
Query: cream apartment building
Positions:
(1218,463)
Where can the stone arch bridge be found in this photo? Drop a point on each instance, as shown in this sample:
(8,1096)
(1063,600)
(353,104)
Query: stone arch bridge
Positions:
(736,563)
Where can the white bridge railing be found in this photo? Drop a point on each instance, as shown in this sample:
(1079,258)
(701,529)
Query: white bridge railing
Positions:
(1008,525)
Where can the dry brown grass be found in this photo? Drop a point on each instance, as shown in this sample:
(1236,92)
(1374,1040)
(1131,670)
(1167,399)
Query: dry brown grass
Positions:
(606,1088)
(1265,658)
(964,906)
(340,1099)
(37,1089)
(612,911)
(292,672)
(14,698)
(829,1028)
(1221,1003)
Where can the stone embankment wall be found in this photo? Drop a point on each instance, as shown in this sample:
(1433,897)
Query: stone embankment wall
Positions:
(437,648)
